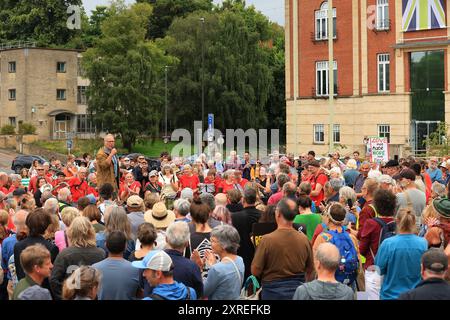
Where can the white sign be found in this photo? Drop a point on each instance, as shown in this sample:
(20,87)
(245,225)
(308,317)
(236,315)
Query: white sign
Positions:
(379,149)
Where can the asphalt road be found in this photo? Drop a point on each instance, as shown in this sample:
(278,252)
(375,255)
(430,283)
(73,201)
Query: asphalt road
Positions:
(6,158)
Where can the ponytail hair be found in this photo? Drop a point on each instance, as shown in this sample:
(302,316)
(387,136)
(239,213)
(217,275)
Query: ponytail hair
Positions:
(81,282)
(406,221)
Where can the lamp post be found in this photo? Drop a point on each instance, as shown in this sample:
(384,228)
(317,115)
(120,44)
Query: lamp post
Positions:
(166,138)
(203,70)
(331,74)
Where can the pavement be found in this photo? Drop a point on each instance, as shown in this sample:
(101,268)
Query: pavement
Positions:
(6,158)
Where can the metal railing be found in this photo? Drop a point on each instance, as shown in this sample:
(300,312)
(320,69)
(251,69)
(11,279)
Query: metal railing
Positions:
(17,45)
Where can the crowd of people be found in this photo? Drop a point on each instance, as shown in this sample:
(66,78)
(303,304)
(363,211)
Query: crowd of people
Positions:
(306,228)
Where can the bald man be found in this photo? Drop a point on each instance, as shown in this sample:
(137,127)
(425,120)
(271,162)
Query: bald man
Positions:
(326,287)
(108,164)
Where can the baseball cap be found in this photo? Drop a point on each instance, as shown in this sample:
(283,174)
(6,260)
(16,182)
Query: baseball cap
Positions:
(92,199)
(35,293)
(153,173)
(155,260)
(435,260)
(135,202)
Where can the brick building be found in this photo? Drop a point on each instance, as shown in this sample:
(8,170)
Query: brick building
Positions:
(391,73)
(44,87)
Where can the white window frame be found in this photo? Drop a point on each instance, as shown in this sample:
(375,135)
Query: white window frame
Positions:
(383,72)
(12,94)
(322,71)
(384,130)
(336,133)
(321,22)
(81,95)
(63,70)
(320,130)
(12,67)
(63,97)
(382,15)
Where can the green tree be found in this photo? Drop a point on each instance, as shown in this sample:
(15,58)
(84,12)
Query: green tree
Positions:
(165,11)
(126,94)
(237,75)
(42,21)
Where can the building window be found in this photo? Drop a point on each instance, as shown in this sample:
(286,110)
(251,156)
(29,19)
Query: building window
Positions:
(319,134)
(383,15)
(81,95)
(322,22)
(12,67)
(337,133)
(384,131)
(383,72)
(12,121)
(84,124)
(60,67)
(60,94)
(322,78)
(81,72)
(12,94)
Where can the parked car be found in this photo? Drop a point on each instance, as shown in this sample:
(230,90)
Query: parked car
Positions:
(25,161)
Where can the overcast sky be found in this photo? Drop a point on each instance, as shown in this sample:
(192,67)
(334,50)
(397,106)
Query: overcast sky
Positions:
(274,9)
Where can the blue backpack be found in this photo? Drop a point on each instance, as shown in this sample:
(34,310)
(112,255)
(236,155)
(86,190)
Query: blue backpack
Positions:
(348,267)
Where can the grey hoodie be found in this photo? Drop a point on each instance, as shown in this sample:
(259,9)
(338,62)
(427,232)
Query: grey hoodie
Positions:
(319,290)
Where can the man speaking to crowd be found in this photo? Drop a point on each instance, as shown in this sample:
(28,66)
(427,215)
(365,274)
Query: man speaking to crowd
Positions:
(108,164)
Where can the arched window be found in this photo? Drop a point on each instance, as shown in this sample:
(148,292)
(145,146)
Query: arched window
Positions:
(322,22)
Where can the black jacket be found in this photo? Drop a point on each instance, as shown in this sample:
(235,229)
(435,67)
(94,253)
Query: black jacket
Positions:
(235,207)
(25,243)
(243,222)
(430,289)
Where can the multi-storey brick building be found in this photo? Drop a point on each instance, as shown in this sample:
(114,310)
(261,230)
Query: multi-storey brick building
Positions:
(392,62)
(44,87)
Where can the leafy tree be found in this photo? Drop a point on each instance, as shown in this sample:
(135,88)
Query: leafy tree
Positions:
(126,94)
(237,76)
(43,21)
(165,11)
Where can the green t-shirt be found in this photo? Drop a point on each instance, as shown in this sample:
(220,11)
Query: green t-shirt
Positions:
(23,284)
(311,221)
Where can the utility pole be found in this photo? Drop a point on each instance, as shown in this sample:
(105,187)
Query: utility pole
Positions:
(330,75)
(203,70)
(165,131)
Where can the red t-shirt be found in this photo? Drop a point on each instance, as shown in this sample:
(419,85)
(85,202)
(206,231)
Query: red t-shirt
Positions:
(225,186)
(189,181)
(78,189)
(275,198)
(133,187)
(321,178)
(243,182)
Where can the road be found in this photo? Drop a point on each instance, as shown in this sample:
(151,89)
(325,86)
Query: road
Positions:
(6,157)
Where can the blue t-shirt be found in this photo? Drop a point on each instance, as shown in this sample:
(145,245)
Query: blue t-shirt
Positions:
(119,281)
(8,251)
(223,281)
(399,261)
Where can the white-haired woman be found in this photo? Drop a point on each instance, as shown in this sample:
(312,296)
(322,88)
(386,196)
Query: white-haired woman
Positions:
(169,185)
(228,182)
(218,159)
(225,277)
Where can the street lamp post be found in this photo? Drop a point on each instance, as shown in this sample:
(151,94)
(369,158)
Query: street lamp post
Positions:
(331,74)
(165,131)
(203,70)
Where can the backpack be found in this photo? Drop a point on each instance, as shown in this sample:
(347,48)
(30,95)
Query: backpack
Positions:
(349,264)
(387,229)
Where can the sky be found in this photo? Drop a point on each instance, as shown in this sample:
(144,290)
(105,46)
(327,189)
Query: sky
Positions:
(274,9)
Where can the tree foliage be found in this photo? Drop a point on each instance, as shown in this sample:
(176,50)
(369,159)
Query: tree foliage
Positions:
(238,75)
(126,94)
(165,11)
(42,21)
